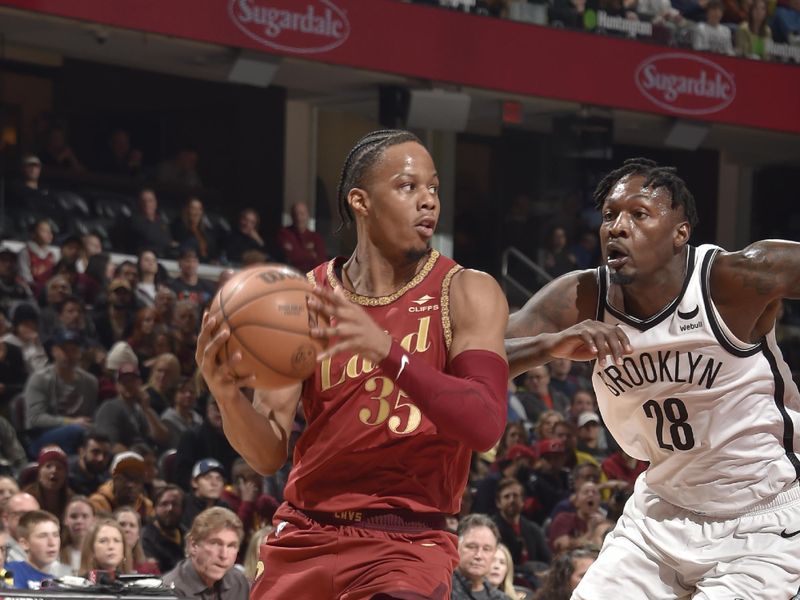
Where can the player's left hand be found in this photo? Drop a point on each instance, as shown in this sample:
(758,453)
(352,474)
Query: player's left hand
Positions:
(349,327)
(589,339)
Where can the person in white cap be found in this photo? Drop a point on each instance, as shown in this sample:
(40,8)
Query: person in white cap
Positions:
(125,487)
(208,483)
(588,434)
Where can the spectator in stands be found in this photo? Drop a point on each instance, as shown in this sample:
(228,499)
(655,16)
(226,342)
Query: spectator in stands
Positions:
(37,259)
(545,427)
(477,543)
(550,482)
(165,371)
(12,454)
(50,488)
(78,519)
(163,538)
(212,545)
(566,573)
(99,272)
(554,256)
(24,335)
(71,315)
(517,464)
(13,373)
(17,505)
(181,169)
(570,530)
(786,23)
(128,271)
(208,482)
(188,285)
(580,473)
(149,278)
(569,13)
(13,289)
(92,245)
(30,192)
(206,441)
(114,322)
(753,32)
(8,487)
(125,487)
(148,230)
(88,470)
(514,434)
(246,237)
(251,560)
(104,549)
(560,378)
(537,395)
(56,290)
(190,230)
(711,35)
(501,575)
(181,415)
(128,419)
(60,399)
(184,335)
(131,524)
(735,11)
(58,153)
(245,498)
(524,538)
(304,248)
(619,466)
(143,336)
(121,158)
(39,536)
(588,435)
(165,305)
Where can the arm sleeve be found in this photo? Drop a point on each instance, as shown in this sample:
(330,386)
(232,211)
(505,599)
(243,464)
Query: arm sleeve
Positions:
(36,405)
(468,404)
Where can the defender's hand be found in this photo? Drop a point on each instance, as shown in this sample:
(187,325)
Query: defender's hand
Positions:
(589,339)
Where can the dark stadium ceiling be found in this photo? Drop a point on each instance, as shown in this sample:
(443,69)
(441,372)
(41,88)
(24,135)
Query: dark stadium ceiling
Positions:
(44,40)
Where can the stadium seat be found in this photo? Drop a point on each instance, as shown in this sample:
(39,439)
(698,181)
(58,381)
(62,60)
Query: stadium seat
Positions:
(72,204)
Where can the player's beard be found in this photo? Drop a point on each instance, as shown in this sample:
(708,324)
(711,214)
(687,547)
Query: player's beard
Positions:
(415,254)
(620,279)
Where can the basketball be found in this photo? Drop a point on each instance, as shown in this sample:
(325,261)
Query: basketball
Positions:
(265,308)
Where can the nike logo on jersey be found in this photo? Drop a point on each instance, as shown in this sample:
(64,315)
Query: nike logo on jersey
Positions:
(787,535)
(403,363)
(687,316)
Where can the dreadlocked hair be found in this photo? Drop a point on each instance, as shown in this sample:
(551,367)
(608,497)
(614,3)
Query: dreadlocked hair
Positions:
(362,157)
(655,176)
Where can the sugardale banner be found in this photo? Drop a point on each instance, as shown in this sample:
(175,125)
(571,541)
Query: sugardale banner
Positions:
(448,46)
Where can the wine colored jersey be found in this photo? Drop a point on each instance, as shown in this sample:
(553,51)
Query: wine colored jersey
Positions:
(366,444)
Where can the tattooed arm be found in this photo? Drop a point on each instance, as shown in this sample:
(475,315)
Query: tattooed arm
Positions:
(748,286)
(557,322)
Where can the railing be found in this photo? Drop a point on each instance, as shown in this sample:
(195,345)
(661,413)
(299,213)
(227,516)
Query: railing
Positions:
(514,285)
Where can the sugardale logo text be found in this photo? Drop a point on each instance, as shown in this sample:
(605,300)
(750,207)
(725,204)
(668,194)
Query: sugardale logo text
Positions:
(303,27)
(685,84)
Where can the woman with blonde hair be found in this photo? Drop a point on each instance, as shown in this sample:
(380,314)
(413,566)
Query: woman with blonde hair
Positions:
(251,556)
(104,549)
(546,423)
(130,522)
(164,374)
(501,574)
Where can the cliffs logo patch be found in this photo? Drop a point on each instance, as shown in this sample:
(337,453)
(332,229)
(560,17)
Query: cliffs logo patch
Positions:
(298,26)
(685,84)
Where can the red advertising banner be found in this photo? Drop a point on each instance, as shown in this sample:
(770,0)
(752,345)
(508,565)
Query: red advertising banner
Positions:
(448,46)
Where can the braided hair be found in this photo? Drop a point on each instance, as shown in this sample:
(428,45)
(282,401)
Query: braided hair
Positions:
(655,176)
(362,157)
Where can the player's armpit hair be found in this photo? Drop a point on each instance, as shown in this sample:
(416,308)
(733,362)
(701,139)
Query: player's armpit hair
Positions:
(468,404)
(363,155)
(656,176)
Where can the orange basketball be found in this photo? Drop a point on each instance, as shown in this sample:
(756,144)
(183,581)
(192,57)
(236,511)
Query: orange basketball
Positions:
(265,308)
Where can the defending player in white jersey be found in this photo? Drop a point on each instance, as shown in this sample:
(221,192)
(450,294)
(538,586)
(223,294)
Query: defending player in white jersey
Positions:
(688,376)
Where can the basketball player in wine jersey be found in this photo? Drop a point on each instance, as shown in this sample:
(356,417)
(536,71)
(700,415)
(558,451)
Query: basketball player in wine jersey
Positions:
(690,378)
(412,381)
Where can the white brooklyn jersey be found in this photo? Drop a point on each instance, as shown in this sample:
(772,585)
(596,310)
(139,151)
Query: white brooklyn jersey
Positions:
(716,417)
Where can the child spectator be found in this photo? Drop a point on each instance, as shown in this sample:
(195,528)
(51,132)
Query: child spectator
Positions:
(712,35)
(36,259)
(41,540)
(131,524)
(78,519)
(208,481)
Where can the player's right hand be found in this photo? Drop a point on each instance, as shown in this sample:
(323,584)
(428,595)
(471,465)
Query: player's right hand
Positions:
(220,375)
(589,340)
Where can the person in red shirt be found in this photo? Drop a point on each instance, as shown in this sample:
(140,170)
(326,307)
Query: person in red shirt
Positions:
(411,383)
(304,249)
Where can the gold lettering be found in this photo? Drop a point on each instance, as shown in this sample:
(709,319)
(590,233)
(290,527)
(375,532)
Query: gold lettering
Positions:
(421,336)
(326,375)
(358,366)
